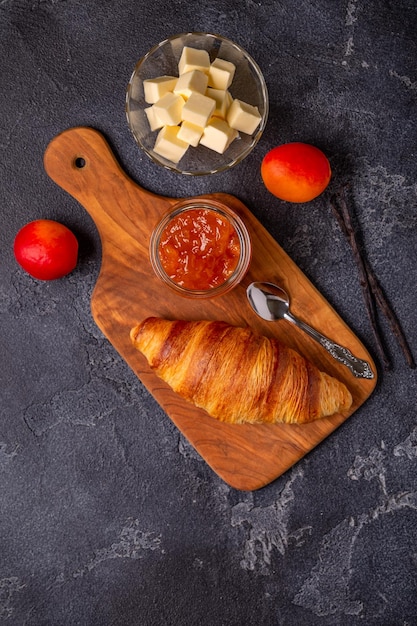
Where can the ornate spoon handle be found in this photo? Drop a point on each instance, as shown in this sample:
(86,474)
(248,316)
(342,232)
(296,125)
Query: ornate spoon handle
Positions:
(358,367)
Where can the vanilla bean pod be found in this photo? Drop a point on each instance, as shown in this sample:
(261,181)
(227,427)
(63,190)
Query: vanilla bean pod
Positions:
(345,221)
(386,309)
(379,295)
(381,300)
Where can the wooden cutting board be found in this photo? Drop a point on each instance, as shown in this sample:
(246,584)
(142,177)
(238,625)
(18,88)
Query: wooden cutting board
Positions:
(246,457)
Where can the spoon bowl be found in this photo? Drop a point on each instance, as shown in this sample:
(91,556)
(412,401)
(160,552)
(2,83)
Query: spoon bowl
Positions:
(269,301)
(272,303)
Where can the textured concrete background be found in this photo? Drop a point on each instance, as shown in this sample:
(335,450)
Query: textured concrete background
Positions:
(108,516)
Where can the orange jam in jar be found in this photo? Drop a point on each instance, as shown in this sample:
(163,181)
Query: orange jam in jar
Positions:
(200,249)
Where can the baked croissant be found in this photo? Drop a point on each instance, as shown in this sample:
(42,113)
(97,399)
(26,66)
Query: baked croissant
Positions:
(236,375)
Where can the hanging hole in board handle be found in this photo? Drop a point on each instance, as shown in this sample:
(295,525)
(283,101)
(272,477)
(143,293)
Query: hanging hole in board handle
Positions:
(79,163)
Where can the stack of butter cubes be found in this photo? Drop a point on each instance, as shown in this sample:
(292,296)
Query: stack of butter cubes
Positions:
(196,107)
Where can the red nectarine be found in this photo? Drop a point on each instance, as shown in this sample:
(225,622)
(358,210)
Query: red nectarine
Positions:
(296,172)
(46,249)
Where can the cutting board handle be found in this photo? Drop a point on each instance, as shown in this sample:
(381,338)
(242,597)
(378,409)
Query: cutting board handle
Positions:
(81,161)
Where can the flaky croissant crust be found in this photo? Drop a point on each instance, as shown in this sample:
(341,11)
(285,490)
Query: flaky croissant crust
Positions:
(237,375)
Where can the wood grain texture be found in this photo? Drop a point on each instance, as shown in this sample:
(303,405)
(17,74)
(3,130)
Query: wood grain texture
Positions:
(247,457)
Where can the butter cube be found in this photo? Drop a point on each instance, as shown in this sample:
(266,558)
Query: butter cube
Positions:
(193,59)
(155,88)
(223,100)
(218,135)
(198,109)
(187,83)
(190,133)
(243,117)
(169,108)
(221,74)
(168,145)
(153,119)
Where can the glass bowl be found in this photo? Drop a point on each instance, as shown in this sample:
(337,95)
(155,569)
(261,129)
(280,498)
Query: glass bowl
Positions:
(217,250)
(162,60)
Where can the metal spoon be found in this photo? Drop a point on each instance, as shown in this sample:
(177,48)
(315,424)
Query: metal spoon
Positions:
(272,303)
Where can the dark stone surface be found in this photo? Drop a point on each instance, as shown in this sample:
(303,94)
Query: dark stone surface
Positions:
(108,516)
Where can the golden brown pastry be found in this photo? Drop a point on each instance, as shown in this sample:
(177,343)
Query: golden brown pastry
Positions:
(236,375)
